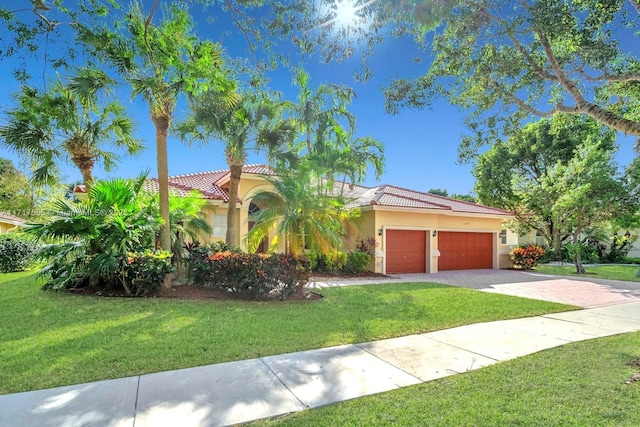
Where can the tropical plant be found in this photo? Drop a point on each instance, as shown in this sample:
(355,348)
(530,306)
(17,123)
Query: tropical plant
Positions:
(329,145)
(305,217)
(57,125)
(527,256)
(160,62)
(255,122)
(93,240)
(186,221)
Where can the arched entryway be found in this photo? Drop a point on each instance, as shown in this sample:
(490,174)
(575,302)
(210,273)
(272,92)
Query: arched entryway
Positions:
(264,244)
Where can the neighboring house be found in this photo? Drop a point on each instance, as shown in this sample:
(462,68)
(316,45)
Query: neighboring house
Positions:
(416,232)
(9,222)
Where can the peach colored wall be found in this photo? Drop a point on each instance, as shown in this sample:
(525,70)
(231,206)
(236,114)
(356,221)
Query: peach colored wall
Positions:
(396,218)
(5,227)
(371,221)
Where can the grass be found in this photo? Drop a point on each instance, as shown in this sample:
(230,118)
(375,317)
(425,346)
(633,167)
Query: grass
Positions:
(579,384)
(52,339)
(615,272)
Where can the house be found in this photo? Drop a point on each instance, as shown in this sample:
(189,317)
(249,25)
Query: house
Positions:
(10,222)
(415,231)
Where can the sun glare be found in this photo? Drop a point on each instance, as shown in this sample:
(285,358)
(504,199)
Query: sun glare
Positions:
(345,13)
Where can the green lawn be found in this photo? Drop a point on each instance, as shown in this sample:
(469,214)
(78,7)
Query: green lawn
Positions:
(579,384)
(52,339)
(616,272)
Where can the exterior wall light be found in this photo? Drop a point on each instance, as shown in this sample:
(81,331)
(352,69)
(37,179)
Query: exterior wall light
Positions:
(435,233)
(380,232)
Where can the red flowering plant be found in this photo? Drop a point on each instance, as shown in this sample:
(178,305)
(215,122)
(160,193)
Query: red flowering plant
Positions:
(526,257)
(257,276)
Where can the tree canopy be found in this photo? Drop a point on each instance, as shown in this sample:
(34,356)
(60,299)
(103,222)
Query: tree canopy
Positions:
(545,166)
(505,62)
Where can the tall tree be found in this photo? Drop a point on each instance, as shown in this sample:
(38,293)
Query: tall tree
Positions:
(304,216)
(161,61)
(56,125)
(503,62)
(16,196)
(510,175)
(327,129)
(586,191)
(253,123)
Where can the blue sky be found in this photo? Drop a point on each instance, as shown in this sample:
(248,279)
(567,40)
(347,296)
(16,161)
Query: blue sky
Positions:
(420,145)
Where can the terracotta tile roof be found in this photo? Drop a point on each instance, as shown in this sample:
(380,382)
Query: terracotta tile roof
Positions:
(389,195)
(11,219)
(214,193)
(357,195)
(207,182)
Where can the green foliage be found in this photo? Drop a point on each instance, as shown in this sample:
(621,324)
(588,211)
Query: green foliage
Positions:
(504,62)
(337,262)
(253,122)
(97,235)
(522,173)
(58,125)
(16,195)
(146,271)
(367,245)
(526,257)
(357,262)
(257,276)
(303,212)
(330,262)
(16,252)
(198,254)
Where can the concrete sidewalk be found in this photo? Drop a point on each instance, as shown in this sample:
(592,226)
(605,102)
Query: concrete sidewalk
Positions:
(239,392)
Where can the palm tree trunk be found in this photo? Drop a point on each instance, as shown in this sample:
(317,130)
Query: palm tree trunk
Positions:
(232,214)
(161,124)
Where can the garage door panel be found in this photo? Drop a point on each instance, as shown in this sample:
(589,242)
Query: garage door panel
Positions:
(464,250)
(405,251)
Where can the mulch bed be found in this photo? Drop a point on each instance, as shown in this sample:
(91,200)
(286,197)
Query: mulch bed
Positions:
(191,292)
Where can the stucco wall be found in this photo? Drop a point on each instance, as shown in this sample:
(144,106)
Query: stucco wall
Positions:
(385,218)
(372,220)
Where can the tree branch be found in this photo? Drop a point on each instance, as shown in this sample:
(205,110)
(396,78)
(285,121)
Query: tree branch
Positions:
(536,67)
(609,77)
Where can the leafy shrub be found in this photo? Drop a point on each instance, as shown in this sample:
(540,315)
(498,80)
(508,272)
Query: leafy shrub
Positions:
(367,246)
(526,257)
(257,276)
(146,271)
(631,260)
(197,255)
(357,262)
(588,253)
(16,252)
(331,262)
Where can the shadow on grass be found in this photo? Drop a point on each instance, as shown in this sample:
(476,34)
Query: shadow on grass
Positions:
(48,340)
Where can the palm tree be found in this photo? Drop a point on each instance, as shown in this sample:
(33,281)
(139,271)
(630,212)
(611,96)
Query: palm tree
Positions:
(97,234)
(308,219)
(58,125)
(253,123)
(317,111)
(328,129)
(161,62)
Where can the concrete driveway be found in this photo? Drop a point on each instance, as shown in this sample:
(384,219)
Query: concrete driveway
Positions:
(584,292)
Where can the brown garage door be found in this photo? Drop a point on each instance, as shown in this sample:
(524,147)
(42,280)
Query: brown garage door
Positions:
(406,251)
(465,251)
